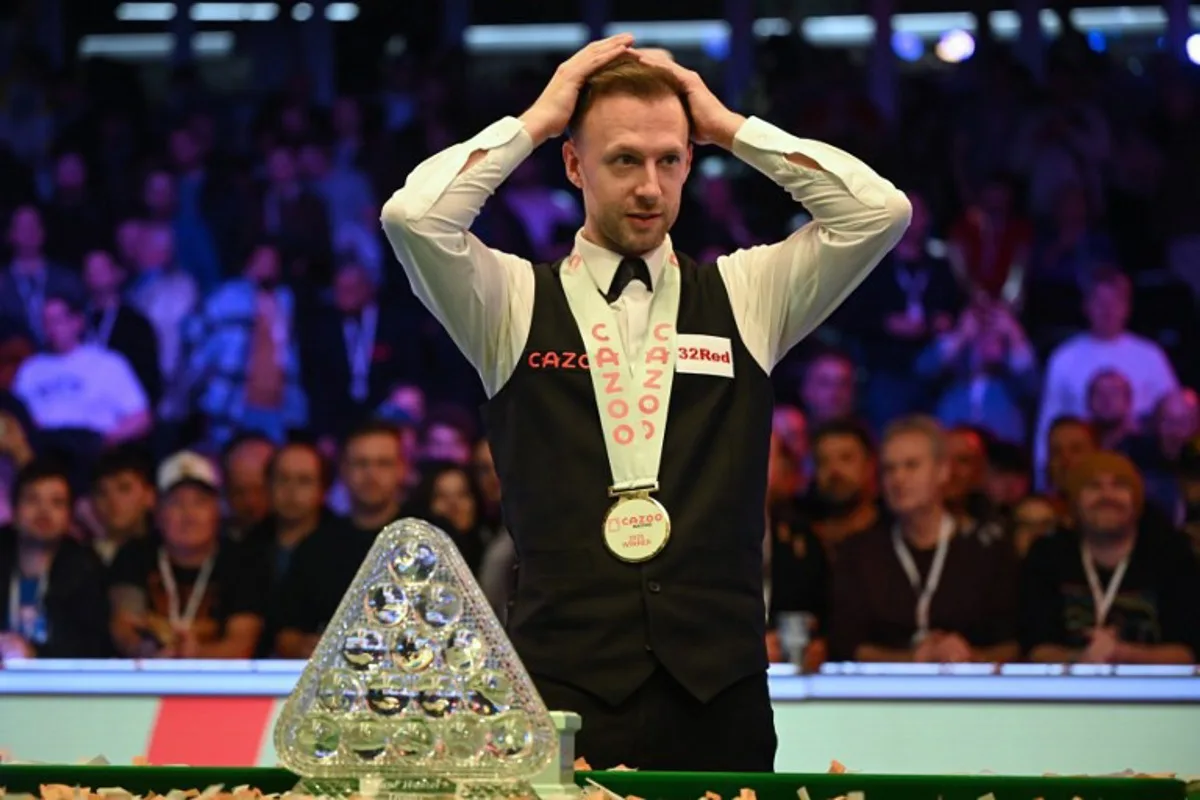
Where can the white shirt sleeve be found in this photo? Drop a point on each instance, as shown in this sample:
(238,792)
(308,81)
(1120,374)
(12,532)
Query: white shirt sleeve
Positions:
(128,396)
(482,296)
(781,292)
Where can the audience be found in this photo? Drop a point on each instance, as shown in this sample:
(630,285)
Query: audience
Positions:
(193,282)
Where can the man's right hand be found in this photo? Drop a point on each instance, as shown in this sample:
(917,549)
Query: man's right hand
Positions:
(550,113)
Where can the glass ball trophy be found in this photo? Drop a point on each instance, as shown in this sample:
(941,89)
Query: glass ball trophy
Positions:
(414,689)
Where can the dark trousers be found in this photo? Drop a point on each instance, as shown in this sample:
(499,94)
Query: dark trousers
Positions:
(663,727)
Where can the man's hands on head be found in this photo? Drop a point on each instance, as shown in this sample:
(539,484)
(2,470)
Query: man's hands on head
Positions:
(550,113)
(714,123)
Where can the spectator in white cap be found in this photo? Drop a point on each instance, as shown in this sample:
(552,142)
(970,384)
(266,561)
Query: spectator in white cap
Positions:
(186,594)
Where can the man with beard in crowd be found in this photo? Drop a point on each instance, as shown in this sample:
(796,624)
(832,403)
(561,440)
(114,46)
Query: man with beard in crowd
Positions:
(845,494)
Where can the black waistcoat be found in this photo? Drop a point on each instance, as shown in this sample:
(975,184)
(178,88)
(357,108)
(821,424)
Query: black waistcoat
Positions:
(581,616)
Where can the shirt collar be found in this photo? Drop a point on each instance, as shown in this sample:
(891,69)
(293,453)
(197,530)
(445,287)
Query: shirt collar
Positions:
(602,263)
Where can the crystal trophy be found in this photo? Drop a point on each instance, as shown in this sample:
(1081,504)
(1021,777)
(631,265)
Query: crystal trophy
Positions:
(414,688)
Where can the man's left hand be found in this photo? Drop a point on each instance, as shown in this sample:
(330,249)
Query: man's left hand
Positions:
(713,122)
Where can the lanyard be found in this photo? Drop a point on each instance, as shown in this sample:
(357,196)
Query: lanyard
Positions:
(194,598)
(14,599)
(1102,600)
(632,395)
(102,333)
(360,343)
(924,593)
(913,283)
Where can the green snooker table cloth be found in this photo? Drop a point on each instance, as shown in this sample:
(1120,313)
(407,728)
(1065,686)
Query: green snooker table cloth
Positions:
(142,780)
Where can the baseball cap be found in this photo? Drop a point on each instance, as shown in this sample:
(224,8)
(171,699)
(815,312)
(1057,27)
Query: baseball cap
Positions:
(1189,458)
(188,466)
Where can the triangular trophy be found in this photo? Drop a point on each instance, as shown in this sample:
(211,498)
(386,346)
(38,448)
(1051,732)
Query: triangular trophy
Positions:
(414,687)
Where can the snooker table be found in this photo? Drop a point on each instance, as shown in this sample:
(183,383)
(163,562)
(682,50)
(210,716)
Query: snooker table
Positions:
(25,779)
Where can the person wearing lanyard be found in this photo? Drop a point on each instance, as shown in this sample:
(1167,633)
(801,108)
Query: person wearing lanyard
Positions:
(187,594)
(53,599)
(1119,589)
(923,588)
(630,395)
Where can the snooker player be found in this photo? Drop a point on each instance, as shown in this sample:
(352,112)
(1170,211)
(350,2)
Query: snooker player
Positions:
(630,397)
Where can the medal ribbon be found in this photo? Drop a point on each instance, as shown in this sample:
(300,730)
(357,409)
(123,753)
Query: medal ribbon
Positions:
(631,395)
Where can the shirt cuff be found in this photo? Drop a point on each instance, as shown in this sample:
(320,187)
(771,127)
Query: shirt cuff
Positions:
(506,140)
(766,148)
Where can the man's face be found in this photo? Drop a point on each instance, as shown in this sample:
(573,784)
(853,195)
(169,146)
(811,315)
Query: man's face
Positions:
(1005,489)
(296,490)
(351,289)
(782,474)
(373,470)
(968,464)
(1068,443)
(844,470)
(913,478)
(453,500)
(1107,309)
(828,389)
(70,173)
(122,501)
(1106,507)
(630,159)
(43,511)
(63,326)
(789,424)
(158,193)
(246,484)
(190,517)
(1110,399)
(25,231)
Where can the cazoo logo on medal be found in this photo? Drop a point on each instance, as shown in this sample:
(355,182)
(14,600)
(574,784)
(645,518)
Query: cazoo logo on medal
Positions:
(634,521)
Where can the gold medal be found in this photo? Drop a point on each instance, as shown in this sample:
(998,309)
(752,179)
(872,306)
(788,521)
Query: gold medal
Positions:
(636,528)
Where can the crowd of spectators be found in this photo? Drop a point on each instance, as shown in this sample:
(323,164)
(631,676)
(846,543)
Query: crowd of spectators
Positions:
(216,386)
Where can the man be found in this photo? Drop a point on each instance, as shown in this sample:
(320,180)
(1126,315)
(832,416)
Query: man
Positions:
(845,497)
(1159,451)
(113,323)
(1110,408)
(164,293)
(828,389)
(122,499)
(298,478)
(30,277)
(373,470)
(53,603)
(188,595)
(1105,344)
(1114,591)
(242,362)
(928,588)
(1069,440)
(791,426)
(247,498)
(659,645)
(81,386)
(966,495)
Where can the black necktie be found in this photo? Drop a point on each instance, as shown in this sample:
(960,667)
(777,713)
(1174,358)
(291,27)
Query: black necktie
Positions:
(629,269)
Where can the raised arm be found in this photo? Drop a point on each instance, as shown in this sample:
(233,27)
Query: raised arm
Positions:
(483,297)
(780,292)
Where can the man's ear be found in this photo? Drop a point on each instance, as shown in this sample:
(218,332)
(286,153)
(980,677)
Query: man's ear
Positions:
(571,162)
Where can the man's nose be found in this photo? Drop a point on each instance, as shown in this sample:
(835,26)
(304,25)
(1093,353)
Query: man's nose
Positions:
(649,190)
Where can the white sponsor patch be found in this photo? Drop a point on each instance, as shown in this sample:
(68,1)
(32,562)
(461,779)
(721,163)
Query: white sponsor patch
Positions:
(704,355)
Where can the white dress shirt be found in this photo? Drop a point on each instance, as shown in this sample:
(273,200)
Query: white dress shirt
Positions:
(778,292)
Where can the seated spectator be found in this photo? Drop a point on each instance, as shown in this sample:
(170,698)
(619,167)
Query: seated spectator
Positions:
(926,589)
(31,278)
(789,424)
(1009,476)
(1033,518)
(189,595)
(298,478)
(165,294)
(1105,345)
(375,472)
(989,245)
(1110,408)
(113,323)
(1070,439)
(449,497)
(15,448)
(1114,591)
(244,464)
(1158,451)
(988,373)
(965,492)
(446,436)
(55,606)
(1069,249)
(122,500)
(78,386)
(828,388)
(844,500)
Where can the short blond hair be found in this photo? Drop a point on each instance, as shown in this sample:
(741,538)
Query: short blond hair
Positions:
(922,424)
(626,75)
